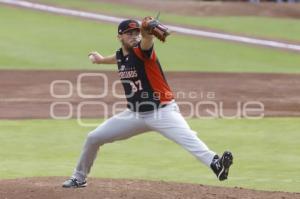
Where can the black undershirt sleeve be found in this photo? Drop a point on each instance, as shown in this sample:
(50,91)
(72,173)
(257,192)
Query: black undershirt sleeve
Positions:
(147,53)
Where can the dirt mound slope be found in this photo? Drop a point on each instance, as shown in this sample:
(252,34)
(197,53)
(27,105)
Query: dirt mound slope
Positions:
(50,187)
(198,94)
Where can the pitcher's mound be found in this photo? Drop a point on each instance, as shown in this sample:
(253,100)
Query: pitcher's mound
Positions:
(50,187)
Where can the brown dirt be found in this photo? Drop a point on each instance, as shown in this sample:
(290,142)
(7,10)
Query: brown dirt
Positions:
(217,8)
(26,94)
(50,187)
(210,8)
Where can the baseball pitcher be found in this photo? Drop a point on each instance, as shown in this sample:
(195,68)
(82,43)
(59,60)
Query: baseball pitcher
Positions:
(150,102)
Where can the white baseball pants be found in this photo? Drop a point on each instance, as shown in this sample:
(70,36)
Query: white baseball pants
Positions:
(167,121)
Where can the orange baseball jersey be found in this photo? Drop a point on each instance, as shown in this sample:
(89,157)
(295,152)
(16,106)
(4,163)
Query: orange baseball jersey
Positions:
(144,82)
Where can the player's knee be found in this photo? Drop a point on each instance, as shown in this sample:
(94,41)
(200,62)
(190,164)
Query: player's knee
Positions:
(95,138)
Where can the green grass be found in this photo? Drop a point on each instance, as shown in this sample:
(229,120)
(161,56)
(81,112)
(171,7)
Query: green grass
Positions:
(288,29)
(266,152)
(60,42)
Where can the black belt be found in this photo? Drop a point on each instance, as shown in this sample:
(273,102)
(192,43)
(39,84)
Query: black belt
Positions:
(163,106)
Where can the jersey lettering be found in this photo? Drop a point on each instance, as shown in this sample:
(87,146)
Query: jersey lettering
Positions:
(143,80)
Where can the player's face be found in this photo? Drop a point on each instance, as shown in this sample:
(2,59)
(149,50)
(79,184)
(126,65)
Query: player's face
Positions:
(130,38)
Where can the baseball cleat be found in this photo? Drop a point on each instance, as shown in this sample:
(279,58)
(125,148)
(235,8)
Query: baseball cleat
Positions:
(220,166)
(73,183)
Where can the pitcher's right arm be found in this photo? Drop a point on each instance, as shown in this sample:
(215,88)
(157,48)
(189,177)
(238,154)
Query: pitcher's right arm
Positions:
(97,58)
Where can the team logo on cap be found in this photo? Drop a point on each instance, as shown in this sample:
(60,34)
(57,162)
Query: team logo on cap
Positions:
(132,25)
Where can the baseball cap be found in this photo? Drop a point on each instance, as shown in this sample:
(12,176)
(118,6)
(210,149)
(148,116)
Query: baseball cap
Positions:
(127,25)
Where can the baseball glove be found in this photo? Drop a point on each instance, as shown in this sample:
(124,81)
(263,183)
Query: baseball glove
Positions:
(154,27)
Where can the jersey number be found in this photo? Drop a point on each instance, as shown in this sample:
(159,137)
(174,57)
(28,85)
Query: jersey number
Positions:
(136,86)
